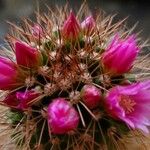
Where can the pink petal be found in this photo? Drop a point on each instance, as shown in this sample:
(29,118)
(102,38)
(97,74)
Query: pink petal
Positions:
(26,55)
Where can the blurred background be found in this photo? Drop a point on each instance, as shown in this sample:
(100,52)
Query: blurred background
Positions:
(136,10)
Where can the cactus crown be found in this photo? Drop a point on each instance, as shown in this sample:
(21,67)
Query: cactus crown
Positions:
(68,70)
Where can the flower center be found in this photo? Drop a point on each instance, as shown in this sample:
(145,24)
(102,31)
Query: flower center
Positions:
(127,103)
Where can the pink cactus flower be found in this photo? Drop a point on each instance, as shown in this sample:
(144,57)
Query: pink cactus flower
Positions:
(21,100)
(8,74)
(62,117)
(37,31)
(71,28)
(26,55)
(131,104)
(120,55)
(91,96)
(88,24)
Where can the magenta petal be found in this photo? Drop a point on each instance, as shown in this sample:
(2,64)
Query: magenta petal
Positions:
(114,42)
(139,117)
(88,23)
(25,98)
(7,66)
(20,100)
(91,96)
(122,51)
(26,55)
(37,31)
(142,97)
(129,122)
(6,81)
(71,28)
(8,74)
(143,128)
(62,117)
(145,85)
(134,102)
(11,101)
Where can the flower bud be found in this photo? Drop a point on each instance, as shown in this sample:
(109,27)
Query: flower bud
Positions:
(37,30)
(91,96)
(62,117)
(21,100)
(88,24)
(120,55)
(26,55)
(71,28)
(8,74)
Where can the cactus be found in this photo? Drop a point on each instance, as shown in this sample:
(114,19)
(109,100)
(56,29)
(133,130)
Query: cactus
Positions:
(64,72)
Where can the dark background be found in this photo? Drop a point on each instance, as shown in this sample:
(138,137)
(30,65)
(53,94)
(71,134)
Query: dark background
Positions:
(136,10)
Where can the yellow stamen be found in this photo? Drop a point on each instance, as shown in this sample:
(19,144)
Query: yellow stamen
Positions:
(127,103)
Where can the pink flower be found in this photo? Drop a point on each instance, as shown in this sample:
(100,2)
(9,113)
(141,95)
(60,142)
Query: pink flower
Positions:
(21,100)
(130,104)
(26,55)
(71,28)
(88,23)
(8,74)
(62,117)
(91,96)
(120,55)
(37,30)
